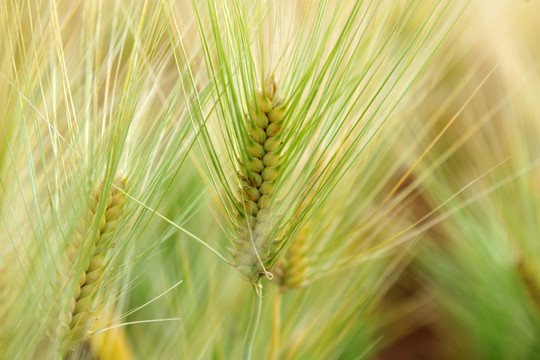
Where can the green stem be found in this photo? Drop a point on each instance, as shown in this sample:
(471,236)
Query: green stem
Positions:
(254,321)
(273,352)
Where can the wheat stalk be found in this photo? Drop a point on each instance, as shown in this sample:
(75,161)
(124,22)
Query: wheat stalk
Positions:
(75,321)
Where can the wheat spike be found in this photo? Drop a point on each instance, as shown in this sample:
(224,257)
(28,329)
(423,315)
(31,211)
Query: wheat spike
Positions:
(529,280)
(111,344)
(74,324)
(257,178)
(292,270)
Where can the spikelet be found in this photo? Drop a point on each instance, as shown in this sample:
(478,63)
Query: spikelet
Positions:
(75,322)
(292,269)
(257,177)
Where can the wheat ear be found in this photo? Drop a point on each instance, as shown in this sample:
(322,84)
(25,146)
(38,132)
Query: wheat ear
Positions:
(258,175)
(111,344)
(292,270)
(529,280)
(75,322)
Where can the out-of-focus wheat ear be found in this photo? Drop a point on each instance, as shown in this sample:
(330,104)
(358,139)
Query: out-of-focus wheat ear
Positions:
(260,169)
(75,321)
(530,281)
(111,344)
(293,268)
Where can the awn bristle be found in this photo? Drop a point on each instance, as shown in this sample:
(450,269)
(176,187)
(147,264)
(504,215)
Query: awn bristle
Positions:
(74,324)
(257,178)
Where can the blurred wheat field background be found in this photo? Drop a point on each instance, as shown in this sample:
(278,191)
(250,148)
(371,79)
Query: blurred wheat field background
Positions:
(308,179)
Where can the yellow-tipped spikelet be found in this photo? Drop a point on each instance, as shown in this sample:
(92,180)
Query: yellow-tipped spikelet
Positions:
(75,322)
(292,269)
(257,178)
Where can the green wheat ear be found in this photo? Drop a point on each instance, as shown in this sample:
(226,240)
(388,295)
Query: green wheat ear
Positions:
(291,271)
(75,322)
(258,174)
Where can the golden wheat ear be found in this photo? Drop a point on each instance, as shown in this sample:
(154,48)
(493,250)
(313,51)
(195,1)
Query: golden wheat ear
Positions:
(111,344)
(75,321)
(259,171)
